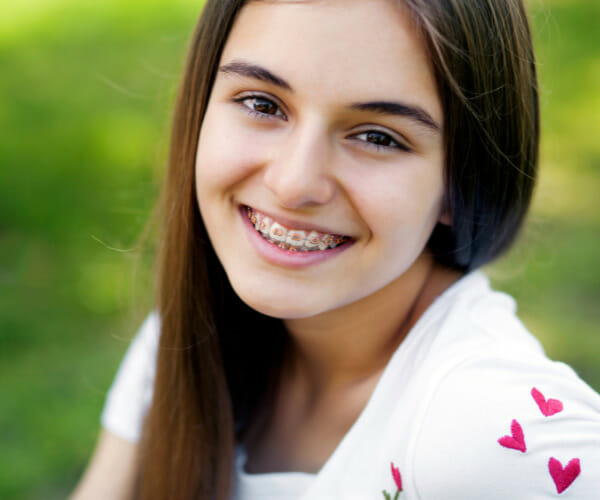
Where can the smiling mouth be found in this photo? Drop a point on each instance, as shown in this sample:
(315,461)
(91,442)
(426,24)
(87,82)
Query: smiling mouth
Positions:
(293,240)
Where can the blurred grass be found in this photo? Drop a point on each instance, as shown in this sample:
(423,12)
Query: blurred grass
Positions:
(553,272)
(85,100)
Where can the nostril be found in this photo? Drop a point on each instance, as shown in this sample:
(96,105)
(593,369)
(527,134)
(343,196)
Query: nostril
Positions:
(298,184)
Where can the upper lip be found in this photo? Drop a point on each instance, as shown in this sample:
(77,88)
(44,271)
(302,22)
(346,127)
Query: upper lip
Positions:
(296,224)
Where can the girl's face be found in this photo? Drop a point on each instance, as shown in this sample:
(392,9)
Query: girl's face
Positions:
(325,120)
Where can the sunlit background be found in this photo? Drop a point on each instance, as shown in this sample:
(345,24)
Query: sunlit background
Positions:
(85,95)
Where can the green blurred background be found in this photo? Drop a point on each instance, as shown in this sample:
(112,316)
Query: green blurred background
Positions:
(86,90)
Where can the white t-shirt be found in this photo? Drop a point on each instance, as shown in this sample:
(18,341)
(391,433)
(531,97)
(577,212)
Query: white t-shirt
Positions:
(468,408)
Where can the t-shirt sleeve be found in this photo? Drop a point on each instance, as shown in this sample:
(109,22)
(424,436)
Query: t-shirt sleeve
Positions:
(130,395)
(500,428)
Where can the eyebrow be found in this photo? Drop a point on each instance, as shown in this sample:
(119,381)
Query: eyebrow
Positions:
(416,113)
(398,109)
(248,70)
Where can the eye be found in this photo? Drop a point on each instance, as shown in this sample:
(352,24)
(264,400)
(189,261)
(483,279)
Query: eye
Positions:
(380,140)
(260,106)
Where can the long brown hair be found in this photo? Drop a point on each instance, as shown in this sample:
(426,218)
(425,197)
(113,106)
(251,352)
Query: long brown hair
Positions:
(211,377)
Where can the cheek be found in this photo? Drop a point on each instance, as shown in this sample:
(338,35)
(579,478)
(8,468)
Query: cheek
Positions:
(228,152)
(400,206)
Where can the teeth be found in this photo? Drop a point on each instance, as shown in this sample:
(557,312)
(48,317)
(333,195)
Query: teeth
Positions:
(253,217)
(312,240)
(265,225)
(326,242)
(256,219)
(293,240)
(277,233)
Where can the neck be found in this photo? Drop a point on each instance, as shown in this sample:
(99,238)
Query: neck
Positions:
(339,349)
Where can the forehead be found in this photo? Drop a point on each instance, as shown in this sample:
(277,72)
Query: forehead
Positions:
(354,49)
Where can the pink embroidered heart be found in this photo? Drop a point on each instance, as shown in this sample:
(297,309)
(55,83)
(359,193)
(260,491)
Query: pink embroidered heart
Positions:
(563,477)
(517,440)
(548,408)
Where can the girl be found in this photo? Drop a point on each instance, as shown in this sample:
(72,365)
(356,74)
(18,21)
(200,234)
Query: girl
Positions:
(338,171)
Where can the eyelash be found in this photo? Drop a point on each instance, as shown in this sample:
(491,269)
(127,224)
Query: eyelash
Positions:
(258,114)
(395,145)
(381,147)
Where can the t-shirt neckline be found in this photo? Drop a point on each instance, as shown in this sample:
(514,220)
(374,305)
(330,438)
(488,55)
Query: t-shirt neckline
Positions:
(241,455)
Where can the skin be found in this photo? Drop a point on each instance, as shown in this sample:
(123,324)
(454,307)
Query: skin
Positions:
(111,471)
(297,146)
(306,156)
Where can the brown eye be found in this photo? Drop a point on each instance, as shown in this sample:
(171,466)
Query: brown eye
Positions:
(381,141)
(263,105)
(379,138)
(260,106)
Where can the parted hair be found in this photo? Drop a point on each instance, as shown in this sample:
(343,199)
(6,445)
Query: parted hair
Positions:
(211,376)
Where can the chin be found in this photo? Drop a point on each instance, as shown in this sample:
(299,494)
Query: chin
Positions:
(277,304)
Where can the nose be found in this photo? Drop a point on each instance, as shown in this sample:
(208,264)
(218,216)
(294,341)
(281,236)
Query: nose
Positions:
(300,173)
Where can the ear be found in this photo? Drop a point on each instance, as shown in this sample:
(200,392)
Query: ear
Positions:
(445,218)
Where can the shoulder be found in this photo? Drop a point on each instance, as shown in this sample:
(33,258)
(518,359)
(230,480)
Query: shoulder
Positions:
(500,419)
(141,354)
(131,393)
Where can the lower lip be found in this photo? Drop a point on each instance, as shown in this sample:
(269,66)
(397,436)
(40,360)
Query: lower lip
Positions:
(278,256)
